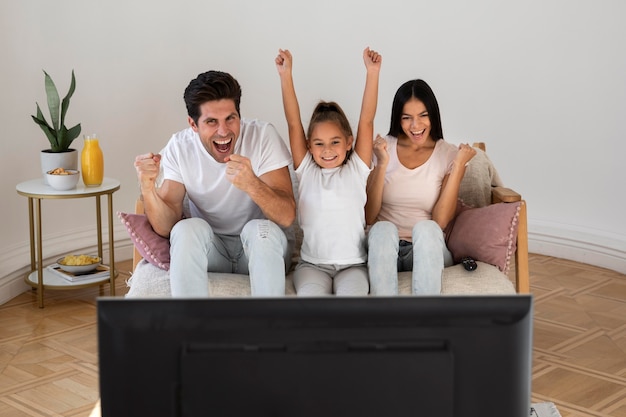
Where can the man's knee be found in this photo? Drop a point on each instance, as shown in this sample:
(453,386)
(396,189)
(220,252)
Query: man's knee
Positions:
(262,229)
(264,234)
(190,227)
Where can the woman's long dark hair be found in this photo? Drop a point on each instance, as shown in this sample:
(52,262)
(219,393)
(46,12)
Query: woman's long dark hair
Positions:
(420,90)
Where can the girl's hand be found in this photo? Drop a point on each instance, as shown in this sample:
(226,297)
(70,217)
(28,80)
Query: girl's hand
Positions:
(372,59)
(283,61)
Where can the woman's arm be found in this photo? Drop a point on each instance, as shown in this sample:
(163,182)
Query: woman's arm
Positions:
(445,207)
(376,181)
(297,138)
(365,130)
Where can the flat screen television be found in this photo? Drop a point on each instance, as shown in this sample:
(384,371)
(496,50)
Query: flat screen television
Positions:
(445,356)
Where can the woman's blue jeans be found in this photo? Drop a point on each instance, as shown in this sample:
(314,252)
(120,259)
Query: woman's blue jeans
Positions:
(426,256)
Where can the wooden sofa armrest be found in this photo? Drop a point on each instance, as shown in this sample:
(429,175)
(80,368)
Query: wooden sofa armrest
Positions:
(507,195)
(504,195)
(522,274)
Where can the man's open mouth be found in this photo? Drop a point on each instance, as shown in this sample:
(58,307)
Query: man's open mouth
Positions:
(223,146)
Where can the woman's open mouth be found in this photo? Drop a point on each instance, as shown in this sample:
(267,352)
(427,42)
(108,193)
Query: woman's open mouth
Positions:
(418,133)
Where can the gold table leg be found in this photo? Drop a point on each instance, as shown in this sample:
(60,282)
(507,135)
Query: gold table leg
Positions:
(39,255)
(112,271)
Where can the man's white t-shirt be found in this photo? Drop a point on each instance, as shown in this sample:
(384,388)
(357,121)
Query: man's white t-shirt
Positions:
(409,195)
(331,211)
(211,195)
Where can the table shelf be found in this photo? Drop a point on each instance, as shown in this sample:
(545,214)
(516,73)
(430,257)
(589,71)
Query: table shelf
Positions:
(54,282)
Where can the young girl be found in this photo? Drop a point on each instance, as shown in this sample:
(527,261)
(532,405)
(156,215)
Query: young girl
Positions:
(331,192)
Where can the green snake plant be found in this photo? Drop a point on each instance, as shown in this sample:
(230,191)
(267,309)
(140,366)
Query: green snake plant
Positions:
(59,136)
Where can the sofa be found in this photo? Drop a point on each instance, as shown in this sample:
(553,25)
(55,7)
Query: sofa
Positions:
(490,226)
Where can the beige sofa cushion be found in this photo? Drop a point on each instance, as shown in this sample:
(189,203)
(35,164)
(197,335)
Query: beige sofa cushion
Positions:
(151,281)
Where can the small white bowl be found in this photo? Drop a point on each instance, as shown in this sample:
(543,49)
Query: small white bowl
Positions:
(63,182)
(78,269)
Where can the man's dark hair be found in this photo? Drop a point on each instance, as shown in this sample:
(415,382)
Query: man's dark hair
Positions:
(211,86)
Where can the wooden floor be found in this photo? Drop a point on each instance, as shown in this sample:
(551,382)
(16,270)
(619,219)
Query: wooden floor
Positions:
(49,363)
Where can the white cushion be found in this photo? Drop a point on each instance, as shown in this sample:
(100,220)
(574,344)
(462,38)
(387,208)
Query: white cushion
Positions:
(149,281)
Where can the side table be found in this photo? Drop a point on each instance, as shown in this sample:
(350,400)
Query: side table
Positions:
(36,191)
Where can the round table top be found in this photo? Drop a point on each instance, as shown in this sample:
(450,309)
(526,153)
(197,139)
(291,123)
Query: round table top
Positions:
(37,189)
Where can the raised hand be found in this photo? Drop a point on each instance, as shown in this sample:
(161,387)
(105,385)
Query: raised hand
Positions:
(380,150)
(239,171)
(372,59)
(147,166)
(283,62)
(465,154)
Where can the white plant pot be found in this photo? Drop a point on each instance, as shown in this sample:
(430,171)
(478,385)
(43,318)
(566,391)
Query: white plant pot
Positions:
(52,160)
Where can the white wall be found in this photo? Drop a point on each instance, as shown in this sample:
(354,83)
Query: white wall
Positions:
(541,82)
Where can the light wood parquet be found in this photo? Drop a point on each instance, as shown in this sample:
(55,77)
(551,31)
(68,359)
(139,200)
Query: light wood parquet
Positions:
(49,364)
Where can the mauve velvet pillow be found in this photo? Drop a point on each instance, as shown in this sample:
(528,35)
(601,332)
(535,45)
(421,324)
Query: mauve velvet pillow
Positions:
(153,247)
(487,234)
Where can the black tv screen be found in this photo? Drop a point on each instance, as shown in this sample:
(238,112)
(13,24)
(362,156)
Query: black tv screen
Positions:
(445,356)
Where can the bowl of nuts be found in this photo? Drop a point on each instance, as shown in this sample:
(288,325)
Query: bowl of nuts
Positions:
(63,179)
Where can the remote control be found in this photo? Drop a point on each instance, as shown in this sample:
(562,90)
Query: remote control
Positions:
(469,263)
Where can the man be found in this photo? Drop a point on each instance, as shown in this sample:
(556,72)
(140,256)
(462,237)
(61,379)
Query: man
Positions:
(235,174)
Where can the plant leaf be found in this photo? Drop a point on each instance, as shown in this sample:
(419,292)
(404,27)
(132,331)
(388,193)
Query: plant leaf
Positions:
(47,129)
(40,115)
(67,136)
(53,100)
(50,133)
(72,134)
(61,138)
(66,100)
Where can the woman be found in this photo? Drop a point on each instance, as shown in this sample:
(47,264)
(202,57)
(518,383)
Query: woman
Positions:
(412,194)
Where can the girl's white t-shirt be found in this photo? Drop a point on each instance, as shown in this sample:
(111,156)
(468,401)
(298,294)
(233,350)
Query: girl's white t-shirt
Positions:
(409,195)
(211,195)
(331,211)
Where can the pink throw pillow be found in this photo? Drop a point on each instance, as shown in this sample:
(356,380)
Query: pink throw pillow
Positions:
(487,234)
(153,247)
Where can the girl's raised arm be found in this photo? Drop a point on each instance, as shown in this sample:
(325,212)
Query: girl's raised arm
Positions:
(365,130)
(297,138)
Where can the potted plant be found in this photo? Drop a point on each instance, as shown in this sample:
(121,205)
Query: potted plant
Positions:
(59,155)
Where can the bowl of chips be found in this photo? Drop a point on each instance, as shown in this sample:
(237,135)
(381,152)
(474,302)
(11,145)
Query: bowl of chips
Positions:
(78,264)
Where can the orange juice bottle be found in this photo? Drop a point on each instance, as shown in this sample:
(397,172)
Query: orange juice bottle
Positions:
(92,162)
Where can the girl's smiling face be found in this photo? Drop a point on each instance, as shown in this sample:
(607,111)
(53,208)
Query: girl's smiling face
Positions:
(329,145)
(415,121)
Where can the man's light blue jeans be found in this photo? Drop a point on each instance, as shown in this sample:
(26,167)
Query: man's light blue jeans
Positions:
(426,256)
(262,251)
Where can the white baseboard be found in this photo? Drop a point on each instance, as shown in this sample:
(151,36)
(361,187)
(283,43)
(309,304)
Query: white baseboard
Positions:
(589,246)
